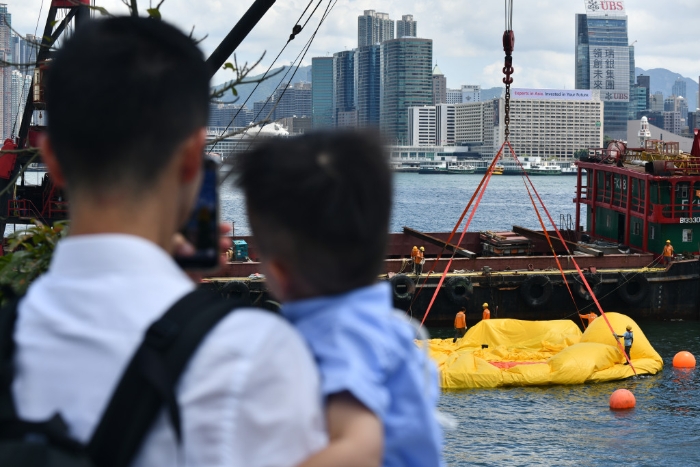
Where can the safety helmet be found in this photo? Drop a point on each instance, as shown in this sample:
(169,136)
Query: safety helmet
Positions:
(629,328)
(668,241)
(422,248)
(485,305)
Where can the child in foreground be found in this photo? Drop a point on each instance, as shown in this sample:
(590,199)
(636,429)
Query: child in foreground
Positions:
(319,207)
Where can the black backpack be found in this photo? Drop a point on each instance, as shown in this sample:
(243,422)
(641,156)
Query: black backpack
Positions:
(146,386)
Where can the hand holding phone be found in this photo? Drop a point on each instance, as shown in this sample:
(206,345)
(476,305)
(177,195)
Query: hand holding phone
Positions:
(202,228)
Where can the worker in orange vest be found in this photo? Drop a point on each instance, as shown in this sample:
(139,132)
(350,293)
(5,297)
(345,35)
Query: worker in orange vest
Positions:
(487,312)
(418,261)
(414,253)
(590,317)
(668,253)
(460,324)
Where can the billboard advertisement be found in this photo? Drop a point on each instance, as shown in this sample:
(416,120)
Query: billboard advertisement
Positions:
(610,72)
(605,7)
(553,94)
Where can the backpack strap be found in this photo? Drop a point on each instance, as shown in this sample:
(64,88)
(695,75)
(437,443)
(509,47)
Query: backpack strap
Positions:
(149,381)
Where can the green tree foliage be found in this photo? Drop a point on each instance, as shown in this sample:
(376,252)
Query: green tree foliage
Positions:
(29,256)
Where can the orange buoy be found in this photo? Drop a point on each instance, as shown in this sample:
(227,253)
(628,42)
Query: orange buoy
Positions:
(684,359)
(622,399)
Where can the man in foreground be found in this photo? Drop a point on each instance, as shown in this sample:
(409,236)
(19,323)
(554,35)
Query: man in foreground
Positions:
(127,103)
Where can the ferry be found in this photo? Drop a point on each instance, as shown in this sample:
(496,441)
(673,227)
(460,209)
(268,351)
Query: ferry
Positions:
(548,168)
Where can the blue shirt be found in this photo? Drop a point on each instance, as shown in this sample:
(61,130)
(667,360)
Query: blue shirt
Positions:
(628,338)
(362,346)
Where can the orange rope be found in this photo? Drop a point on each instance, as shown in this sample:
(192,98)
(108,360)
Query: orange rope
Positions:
(481,192)
(459,222)
(578,269)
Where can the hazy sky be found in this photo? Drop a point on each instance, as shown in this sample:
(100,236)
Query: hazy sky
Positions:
(466,33)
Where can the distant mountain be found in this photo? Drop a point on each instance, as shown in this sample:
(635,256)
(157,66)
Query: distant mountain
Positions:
(663,79)
(491,93)
(268,86)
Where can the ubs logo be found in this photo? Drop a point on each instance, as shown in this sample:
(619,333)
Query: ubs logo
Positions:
(605,5)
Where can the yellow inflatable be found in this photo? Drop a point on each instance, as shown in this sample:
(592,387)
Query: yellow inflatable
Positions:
(529,353)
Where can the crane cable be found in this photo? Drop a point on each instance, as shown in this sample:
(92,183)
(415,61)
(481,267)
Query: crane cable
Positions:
(508,46)
(480,190)
(295,31)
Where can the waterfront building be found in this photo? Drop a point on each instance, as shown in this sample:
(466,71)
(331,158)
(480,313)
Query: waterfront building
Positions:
(644,132)
(453,96)
(421,126)
(367,85)
(344,110)
(406,27)
(552,123)
(445,124)
(657,102)
(603,59)
(431,125)
(439,86)
(644,81)
(322,92)
(693,120)
(374,28)
(406,81)
(24,52)
(5,72)
(410,158)
(679,87)
(296,125)
(685,144)
(474,125)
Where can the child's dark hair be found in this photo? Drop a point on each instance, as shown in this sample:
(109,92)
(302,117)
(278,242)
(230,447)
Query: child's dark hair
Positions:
(321,204)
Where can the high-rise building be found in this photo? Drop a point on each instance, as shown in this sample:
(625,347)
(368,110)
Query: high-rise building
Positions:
(454,96)
(222,115)
(679,87)
(439,86)
(657,102)
(645,82)
(471,93)
(24,52)
(293,100)
(322,92)
(603,59)
(367,85)
(344,109)
(474,124)
(406,27)
(21,84)
(5,72)
(672,122)
(374,28)
(421,125)
(445,124)
(406,81)
(639,98)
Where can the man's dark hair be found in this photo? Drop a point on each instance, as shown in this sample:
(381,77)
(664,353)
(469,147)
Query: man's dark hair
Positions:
(122,94)
(321,204)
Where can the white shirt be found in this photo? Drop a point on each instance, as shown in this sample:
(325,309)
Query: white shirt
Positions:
(249,396)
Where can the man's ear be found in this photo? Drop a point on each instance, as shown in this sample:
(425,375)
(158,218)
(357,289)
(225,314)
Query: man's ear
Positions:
(192,150)
(279,279)
(49,157)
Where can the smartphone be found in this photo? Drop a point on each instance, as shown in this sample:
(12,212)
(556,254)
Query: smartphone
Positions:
(202,228)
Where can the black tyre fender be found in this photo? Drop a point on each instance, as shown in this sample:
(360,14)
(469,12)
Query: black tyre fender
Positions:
(402,287)
(459,289)
(632,288)
(594,281)
(536,290)
(236,289)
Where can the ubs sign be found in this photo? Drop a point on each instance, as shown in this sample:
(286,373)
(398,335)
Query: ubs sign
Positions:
(605,7)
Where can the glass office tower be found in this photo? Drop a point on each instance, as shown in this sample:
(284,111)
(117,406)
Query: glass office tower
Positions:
(322,92)
(603,59)
(406,80)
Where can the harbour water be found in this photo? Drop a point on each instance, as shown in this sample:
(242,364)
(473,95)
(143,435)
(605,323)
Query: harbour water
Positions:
(562,425)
